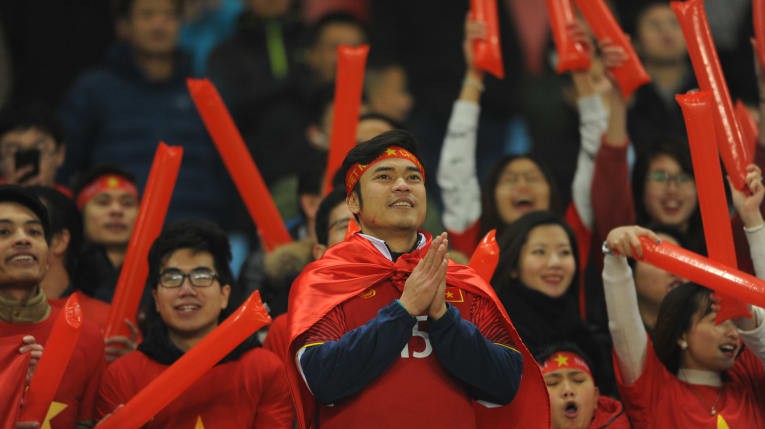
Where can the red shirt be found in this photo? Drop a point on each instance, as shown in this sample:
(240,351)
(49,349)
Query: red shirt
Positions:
(13,372)
(345,274)
(75,399)
(250,392)
(658,399)
(277,339)
(609,414)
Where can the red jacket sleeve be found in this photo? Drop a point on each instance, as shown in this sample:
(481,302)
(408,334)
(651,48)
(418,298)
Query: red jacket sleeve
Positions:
(612,200)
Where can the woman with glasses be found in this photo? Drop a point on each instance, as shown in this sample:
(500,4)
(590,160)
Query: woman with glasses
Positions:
(191,283)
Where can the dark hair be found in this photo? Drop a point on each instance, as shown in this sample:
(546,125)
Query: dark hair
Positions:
(332,200)
(197,235)
(546,351)
(21,195)
(102,170)
(675,318)
(517,234)
(332,18)
(123,8)
(396,125)
(317,102)
(679,152)
(32,115)
(490,218)
(63,215)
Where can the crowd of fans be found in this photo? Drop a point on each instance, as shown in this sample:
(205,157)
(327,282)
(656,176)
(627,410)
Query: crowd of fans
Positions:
(567,173)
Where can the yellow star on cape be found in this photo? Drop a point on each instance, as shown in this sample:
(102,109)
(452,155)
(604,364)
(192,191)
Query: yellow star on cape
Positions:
(199,424)
(561,360)
(721,423)
(55,409)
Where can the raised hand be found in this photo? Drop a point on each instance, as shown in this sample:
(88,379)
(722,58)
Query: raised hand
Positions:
(426,278)
(748,206)
(120,345)
(625,240)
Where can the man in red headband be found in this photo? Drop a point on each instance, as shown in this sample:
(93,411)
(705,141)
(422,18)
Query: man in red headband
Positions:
(574,398)
(385,331)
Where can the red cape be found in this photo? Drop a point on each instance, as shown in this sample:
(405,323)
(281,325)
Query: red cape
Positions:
(13,372)
(352,266)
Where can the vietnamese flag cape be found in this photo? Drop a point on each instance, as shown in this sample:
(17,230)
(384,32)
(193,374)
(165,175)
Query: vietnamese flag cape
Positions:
(349,268)
(13,373)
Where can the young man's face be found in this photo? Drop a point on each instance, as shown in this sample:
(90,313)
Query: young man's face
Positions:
(573,398)
(152,27)
(110,216)
(23,250)
(392,198)
(51,156)
(190,312)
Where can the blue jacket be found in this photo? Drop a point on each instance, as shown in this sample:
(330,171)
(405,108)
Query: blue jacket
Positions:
(114,114)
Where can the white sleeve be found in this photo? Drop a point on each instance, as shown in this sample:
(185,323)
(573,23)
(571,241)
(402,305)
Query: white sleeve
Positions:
(755,339)
(627,331)
(593,121)
(456,175)
(756,242)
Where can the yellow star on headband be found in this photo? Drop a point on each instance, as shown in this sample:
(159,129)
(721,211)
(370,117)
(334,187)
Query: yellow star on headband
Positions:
(390,152)
(112,182)
(561,360)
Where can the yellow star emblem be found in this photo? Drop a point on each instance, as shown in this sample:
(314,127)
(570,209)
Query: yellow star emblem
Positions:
(390,152)
(55,409)
(449,295)
(561,360)
(112,182)
(721,423)
(200,424)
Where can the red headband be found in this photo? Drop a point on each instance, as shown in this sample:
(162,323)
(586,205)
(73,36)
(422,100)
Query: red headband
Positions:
(355,172)
(105,183)
(563,360)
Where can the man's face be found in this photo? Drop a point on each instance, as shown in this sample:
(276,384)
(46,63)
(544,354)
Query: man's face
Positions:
(322,56)
(152,27)
(190,312)
(23,250)
(392,198)
(51,156)
(339,218)
(110,217)
(573,398)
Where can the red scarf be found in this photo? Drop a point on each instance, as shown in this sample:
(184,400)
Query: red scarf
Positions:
(352,266)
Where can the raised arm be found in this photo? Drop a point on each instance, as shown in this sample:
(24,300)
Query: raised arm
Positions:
(627,329)
(457,177)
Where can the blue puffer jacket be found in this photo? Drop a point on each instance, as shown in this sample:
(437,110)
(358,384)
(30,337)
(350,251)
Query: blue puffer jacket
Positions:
(115,115)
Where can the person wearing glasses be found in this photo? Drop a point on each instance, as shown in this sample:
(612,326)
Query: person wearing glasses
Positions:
(191,282)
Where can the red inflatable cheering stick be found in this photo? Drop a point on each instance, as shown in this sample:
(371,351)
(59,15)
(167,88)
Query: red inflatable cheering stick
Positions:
(488,51)
(486,256)
(631,75)
(246,320)
(148,225)
(349,84)
(704,271)
(758,14)
(571,55)
(698,111)
(239,163)
(58,351)
(706,65)
(748,128)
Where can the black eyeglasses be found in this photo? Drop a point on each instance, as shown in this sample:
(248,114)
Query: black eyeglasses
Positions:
(200,277)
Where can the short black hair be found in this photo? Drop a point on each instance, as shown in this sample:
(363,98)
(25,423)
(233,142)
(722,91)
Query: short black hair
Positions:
(564,346)
(332,18)
(63,215)
(675,318)
(102,170)
(197,235)
(21,195)
(332,200)
(123,8)
(396,125)
(32,115)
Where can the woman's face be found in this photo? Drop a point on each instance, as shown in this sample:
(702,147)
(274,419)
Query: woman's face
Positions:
(670,193)
(710,347)
(659,36)
(521,188)
(547,261)
(653,283)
